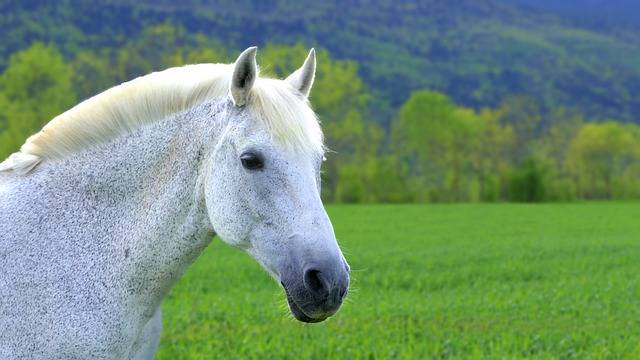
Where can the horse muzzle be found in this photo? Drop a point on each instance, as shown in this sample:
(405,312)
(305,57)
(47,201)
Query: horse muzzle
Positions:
(317,292)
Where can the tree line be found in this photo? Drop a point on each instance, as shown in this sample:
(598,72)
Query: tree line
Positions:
(431,150)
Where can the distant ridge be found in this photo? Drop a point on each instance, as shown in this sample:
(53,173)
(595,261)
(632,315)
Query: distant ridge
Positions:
(476,51)
(592,13)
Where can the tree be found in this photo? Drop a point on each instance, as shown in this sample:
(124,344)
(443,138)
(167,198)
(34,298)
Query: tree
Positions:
(35,87)
(490,154)
(601,155)
(157,48)
(454,153)
(528,183)
(555,141)
(163,46)
(523,114)
(421,136)
(92,73)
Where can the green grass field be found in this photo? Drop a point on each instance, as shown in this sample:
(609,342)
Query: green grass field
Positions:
(439,281)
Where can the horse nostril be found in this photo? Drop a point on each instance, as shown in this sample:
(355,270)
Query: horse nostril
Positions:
(314,282)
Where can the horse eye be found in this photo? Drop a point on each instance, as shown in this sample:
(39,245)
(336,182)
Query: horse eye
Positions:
(252,161)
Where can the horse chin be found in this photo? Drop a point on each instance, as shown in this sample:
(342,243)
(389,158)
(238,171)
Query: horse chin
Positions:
(298,313)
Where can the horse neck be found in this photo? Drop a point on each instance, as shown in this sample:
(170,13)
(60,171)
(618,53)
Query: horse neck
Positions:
(144,191)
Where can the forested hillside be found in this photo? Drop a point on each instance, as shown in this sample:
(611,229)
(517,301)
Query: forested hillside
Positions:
(441,101)
(476,51)
(610,14)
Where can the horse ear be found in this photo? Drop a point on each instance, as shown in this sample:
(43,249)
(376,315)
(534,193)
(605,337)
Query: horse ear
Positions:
(302,79)
(244,75)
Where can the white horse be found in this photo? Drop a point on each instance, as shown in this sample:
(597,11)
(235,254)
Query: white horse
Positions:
(103,210)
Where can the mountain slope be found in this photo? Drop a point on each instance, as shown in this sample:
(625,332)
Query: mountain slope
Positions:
(476,51)
(592,13)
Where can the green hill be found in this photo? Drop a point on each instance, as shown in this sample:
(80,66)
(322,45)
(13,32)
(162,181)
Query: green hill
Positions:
(592,13)
(476,51)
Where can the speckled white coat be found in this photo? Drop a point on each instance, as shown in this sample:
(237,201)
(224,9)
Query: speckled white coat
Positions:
(90,243)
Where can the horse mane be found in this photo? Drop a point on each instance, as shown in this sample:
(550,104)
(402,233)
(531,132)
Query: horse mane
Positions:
(153,97)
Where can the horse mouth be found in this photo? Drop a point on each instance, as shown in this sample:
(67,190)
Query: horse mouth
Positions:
(297,312)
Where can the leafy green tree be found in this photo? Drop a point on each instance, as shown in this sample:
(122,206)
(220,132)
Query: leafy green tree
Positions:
(490,156)
(565,124)
(92,73)
(529,182)
(524,116)
(163,46)
(421,137)
(390,180)
(157,48)
(601,155)
(453,153)
(555,141)
(35,87)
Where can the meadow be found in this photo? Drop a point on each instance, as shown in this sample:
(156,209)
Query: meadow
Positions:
(433,281)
